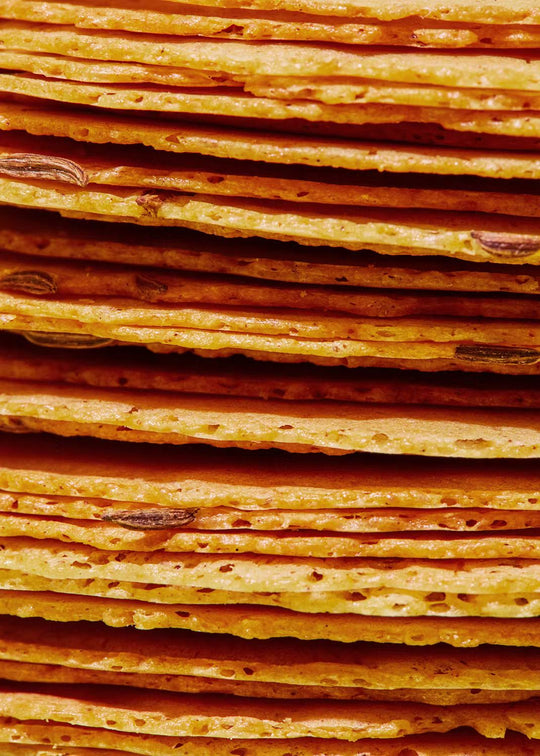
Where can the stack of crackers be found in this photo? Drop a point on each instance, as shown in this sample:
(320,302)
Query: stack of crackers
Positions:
(269,396)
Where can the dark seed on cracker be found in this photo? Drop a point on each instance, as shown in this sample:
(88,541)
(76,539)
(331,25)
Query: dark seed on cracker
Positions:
(66,340)
(29,282)
(498,354)
(507,245)
(30,165)
(152,519)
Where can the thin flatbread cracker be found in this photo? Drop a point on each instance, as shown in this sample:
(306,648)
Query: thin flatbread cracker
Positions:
(328,90)
(40,233)
(108,536)
(369,602)
(132,166)
(424,355)
(49,673)
(52,278)
(309,325)
(506,11)
(333,428)
(506,70)
(166,18)
(43,120)
(140,369)
(137,97)
(467,236)
(206,477)
(79,646)
(59,67)
(343,91)
(163,713)
(245,573)
(268,622)
(41,735)
(150,518)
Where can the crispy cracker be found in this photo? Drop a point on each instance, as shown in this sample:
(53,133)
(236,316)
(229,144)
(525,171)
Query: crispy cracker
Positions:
(449,349)
(246,573)
(467,236)
(269,147)
(177,714)
(206,477)
(32,232)
(267,622)
(343,91)
(140,369)
(148,517)
(48,673)
(506,11)
(132,166)
(166,18)
(53,278)
(81,646)
(42,734)
(424,356)
(369,602)
(425,335)
(330,90)
(333,428)
(58,67)
(352,353)
(504,71)
(378,601)
(108,536)
(137,97)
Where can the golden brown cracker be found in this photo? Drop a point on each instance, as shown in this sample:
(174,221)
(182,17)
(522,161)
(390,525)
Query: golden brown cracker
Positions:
(139,98)
(424,334)
(328,90)
(53,279)
(333,428)
(146,517)
(521,12)
(369,602)
(467,236)
(140,369)
(344,91)
(82,646)
(423,356)
(172,136)
(505,71)
(69,279)
(132,166)
(42,734)
(177,714)
(251,574)
(165,18)
(33,232)
(267,622)
(59,67)
(49,673)
(206,477)
(179,538)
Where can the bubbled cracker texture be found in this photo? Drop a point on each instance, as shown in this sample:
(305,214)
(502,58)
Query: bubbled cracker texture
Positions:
(166,18)
(269,357)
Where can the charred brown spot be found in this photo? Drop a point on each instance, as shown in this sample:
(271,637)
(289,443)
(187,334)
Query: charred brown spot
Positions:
(498,354)
(507,245)
(46,167)
(152,519)
(29,282)
(65,340)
